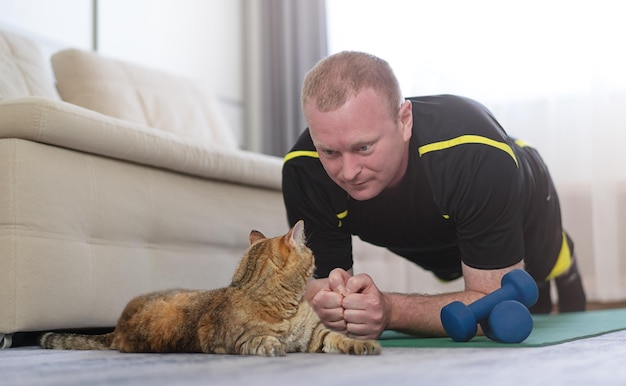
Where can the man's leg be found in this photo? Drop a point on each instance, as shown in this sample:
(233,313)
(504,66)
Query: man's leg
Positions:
(544,303)
(570,289)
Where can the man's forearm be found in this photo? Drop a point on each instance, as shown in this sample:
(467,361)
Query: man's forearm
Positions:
(419,314)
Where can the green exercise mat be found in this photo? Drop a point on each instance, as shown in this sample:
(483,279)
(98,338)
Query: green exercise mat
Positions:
(547,330)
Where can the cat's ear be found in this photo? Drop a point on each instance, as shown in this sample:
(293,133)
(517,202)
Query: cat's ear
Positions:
(297,234)
(256,236)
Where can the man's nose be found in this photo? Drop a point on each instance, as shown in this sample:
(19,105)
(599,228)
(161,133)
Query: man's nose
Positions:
(351,167)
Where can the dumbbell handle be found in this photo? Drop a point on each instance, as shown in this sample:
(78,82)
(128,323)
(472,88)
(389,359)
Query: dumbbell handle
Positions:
(516,285)
(483,306)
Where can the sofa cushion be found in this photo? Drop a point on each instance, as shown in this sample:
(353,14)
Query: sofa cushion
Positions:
(23,70)
(62,124)
(142,95)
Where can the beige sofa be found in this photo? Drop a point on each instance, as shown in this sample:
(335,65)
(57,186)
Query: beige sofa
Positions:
(119,181)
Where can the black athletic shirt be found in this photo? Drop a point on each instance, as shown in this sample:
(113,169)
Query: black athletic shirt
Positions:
(470,193)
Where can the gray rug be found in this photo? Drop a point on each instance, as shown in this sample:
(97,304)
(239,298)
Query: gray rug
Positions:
(593,361)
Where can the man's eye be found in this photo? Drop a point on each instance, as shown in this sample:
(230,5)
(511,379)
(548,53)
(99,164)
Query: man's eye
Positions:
(364,147)
(328,152)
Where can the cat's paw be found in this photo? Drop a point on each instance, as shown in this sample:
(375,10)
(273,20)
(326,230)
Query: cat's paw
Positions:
(362,347)
(344,345)
(268,346)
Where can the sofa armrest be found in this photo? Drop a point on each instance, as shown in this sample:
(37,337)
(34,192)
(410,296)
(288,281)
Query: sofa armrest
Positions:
(65,125)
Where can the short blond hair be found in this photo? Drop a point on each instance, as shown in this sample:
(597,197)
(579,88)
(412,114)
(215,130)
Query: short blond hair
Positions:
(334,79)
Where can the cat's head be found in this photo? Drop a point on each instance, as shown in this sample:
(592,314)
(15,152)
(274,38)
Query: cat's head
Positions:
(272,264)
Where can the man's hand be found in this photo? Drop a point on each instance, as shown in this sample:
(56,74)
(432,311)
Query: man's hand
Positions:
(352,305)
(328,299)
(364,308)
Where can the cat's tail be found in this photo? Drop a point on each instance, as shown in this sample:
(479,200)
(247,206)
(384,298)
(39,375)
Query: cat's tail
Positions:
(58,341)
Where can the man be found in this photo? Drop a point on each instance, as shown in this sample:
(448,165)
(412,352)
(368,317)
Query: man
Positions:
(434,179)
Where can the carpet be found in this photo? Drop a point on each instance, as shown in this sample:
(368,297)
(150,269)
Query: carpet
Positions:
(547,330)
(594,361)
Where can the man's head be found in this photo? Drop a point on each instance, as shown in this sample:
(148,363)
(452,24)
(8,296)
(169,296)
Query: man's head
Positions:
(343,75)
(359,122)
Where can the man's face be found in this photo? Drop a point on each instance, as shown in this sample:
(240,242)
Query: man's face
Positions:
(361,147)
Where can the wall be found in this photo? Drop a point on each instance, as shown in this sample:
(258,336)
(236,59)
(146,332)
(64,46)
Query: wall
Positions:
(198,39)
(65,22)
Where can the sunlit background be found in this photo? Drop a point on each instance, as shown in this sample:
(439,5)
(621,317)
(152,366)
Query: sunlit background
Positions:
(495,50)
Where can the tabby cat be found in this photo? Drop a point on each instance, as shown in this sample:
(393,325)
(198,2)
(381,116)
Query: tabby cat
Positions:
(262,312)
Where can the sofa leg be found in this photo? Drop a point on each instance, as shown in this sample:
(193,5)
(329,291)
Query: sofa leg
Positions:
(5,340)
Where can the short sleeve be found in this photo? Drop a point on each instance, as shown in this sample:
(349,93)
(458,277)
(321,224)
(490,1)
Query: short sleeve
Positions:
(483,198)
(310,195)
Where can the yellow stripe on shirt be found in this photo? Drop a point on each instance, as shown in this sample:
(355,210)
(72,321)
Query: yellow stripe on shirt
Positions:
(341,216)
(301,153)
(563,262)
(466,139)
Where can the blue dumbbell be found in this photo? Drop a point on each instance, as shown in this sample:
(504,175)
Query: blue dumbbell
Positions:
(508,322)
(460,321)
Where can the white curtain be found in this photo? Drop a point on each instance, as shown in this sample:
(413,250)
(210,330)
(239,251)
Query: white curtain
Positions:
(553,72)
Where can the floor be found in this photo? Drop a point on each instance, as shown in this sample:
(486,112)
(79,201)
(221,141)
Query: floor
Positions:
(593,361)
(605,306)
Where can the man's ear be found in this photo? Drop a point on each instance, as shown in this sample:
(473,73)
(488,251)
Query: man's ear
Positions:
(405,117)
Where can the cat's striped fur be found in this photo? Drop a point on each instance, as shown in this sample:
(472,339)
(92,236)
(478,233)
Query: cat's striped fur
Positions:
(262,312)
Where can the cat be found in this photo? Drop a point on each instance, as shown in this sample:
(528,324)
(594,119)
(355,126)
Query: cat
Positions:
(262,312)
